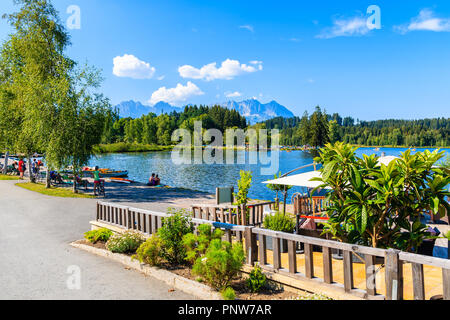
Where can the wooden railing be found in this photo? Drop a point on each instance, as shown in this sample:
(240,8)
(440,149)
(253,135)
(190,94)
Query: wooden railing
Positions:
(393,261)
(309,206)
(250,215)
(149,222)
(255,240)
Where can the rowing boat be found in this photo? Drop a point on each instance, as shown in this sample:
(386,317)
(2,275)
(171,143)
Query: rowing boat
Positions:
(107,173)
(121,180)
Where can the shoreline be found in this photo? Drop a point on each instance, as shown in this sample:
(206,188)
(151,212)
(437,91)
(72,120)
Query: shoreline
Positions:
(123,147)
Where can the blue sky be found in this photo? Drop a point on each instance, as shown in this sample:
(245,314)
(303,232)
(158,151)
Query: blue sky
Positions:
(299,53)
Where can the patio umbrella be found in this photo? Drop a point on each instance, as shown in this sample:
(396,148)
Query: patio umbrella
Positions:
(299,180)
(304,179)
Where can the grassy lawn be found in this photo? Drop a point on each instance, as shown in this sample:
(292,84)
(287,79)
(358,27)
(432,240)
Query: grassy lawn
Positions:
(54,192)
(8,178)
(123,147)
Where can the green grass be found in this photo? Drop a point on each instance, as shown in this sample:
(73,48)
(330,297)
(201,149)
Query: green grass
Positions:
(8,178)
(54,192)
(123,147)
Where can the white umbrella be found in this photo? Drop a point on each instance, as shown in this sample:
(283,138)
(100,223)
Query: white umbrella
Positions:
(386,160)
(304,179)
(299,180)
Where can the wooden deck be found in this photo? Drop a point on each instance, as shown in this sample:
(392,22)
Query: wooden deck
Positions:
(432,275)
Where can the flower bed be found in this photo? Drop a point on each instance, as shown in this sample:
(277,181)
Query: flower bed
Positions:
(201,258)
(272,291)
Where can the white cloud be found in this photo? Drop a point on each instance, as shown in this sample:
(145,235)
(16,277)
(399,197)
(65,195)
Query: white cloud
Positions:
(233,94)
(248,27)
(227,71)
(355,26)
(129,66)
(161,78)
(425,21)
(175,95)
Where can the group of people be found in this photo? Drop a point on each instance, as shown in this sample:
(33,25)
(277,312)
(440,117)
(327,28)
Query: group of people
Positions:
(21,167)
(154,181)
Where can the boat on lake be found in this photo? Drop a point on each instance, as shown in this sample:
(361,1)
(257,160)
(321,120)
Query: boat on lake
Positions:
(106,173)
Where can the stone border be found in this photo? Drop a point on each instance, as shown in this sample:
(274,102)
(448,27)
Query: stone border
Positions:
(188,286)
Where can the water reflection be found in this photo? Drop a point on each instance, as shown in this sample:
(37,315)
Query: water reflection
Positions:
(207,177)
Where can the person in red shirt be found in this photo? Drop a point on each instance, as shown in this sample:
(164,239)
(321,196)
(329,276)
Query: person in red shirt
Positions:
(21,168)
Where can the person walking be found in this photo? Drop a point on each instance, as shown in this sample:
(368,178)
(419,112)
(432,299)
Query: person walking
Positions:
(21,168)
(34,167)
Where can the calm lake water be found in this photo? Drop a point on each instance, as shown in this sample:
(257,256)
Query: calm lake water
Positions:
(207,178)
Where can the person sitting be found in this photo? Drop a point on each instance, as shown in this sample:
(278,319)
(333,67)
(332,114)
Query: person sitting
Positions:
(157,181)
(56,177)
(82,182)
(152,181)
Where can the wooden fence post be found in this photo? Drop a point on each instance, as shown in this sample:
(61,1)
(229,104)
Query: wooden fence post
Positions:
(446,283)
(244,214)
(348,271)
(394,275)
(251,247)
(418,281)
(262,250)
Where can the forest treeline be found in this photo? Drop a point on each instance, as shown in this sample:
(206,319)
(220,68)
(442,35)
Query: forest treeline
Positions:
(320,128)
(314,129)
(152,129)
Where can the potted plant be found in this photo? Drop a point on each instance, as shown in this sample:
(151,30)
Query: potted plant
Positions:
(282,222)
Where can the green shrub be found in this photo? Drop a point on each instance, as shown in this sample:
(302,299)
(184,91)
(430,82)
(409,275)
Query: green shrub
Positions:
(220,264)
(447,235)
(95,236)
(257,280)
(128,242)
(150,252)
(196,245)
(279,222)
(228,294)
(173,229)
(244,185)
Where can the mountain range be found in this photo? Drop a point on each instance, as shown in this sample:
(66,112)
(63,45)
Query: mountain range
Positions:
(253,110)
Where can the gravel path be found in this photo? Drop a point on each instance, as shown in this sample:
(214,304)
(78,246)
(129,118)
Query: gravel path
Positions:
(35,256)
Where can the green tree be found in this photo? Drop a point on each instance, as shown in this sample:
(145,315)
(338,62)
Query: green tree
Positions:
(334,132)
(34,77)
(44,94)
(244,184)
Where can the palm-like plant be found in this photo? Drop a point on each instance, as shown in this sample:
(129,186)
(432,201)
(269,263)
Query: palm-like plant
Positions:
(378,205)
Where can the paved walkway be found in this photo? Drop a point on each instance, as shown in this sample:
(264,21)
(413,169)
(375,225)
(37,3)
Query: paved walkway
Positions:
(35,232)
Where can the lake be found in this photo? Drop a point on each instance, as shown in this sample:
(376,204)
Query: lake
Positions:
(206,177)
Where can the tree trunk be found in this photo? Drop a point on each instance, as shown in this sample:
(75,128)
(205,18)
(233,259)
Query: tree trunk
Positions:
(277,201)
(5,168)
(284,200)
(74,180)
(47,180)
(75,185)
(30,172)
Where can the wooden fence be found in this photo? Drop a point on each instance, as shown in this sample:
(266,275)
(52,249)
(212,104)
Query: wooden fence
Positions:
(252,214)
(308,206)
(394,261)
(255,240)
(149,222)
